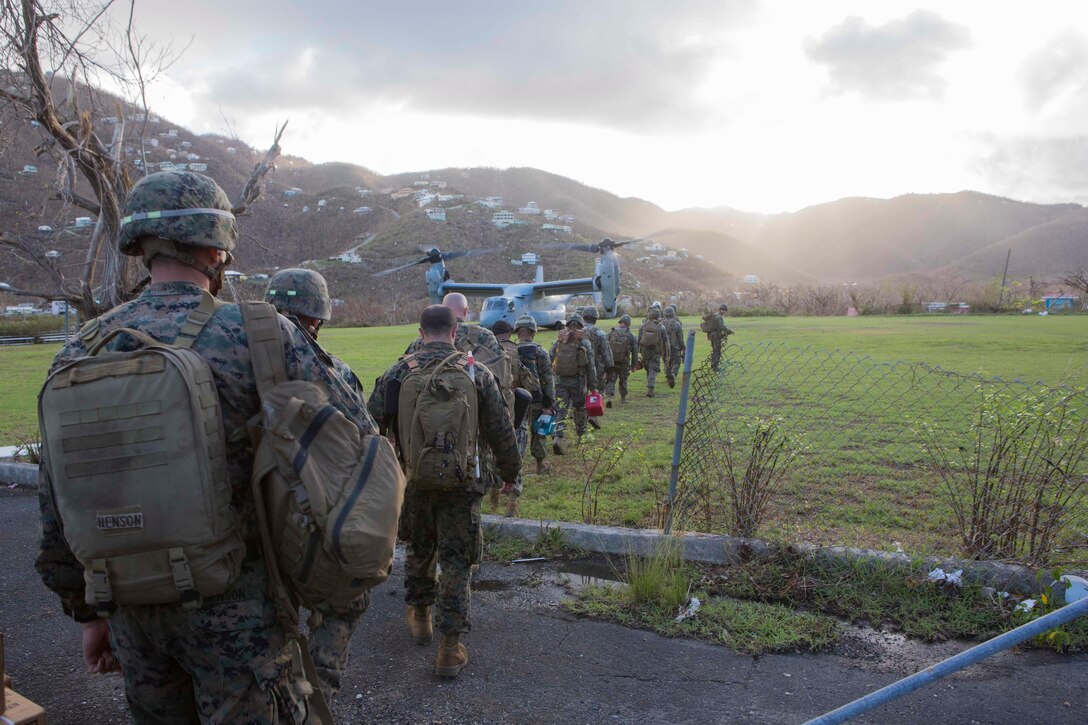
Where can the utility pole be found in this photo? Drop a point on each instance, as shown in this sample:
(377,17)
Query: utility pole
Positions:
(1004,276)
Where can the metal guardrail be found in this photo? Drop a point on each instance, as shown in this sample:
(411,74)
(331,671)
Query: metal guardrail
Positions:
(33,339)
(1010,639)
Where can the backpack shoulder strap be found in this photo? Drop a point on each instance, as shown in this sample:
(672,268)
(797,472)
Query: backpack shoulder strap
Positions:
(265,344)
(198,318)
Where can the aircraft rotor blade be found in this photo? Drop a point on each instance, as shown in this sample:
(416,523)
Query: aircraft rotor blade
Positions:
(574,247)
(467,253)
(388,272)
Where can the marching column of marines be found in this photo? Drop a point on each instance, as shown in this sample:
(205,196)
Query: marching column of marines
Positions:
(460,407)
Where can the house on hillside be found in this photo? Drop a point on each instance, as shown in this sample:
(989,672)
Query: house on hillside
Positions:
(530,208)
(402,193)
(503,219)
(557,228)
(491,202)
(350,257)
(186,144)
(29,169)
(82,222)
(437,214)
(420,183)
(198,167)
(361,210)
(551,214)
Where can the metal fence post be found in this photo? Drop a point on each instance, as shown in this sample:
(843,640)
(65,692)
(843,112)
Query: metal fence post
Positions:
(681,421)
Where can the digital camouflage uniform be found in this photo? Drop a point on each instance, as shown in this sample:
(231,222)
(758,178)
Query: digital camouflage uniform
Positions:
(717,335)
(299,293)
(537,361)
(674,332)
(468,338)
(444,525)
(525,379)
(571,391)
(622,368)
(602,353)
(652,354)
(229,661)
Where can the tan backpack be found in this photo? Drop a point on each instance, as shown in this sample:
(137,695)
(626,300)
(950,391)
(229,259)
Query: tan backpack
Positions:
(133,446)
(437,423)
(650,334)
(330,496)
(570,358)
(620,342)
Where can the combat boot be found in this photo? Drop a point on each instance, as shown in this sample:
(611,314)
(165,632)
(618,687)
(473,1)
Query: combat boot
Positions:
(557,447)
(542,467)
(593,422)
(452,656)
(649,392)
(419,624)
(608,403)
(672,381)
(493,498)
(511,506)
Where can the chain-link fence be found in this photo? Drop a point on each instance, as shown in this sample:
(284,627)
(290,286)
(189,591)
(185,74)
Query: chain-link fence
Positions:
(863,437)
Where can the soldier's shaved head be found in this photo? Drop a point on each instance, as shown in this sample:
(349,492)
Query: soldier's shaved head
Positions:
(437,323)
(458,303)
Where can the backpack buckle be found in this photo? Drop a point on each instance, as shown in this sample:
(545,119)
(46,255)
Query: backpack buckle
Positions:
(101,589)
(183,579)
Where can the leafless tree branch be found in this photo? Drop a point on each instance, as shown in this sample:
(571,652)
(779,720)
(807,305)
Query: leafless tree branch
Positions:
(254,187)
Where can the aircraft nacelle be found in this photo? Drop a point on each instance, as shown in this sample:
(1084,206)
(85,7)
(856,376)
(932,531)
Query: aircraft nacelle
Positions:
(436,277)
(607,283)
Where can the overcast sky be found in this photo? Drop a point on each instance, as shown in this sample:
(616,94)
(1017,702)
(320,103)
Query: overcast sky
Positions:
(764,106)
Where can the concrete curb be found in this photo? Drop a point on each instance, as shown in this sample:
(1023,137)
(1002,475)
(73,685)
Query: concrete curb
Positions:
(20,474)
(700,548)
(726,550)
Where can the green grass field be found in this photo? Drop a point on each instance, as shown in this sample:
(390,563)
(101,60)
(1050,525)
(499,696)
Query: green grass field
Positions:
(841,505)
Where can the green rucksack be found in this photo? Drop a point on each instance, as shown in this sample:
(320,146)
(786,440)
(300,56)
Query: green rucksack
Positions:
(570,357)
(620,342)
(437,423)
(133,445)
(650,335)
(707,325)
(330,496)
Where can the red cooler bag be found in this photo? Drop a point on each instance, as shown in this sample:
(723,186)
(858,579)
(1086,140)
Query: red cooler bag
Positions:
(594,405)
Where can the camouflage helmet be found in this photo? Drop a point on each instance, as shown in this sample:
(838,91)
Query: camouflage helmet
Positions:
(654,314)
(656,304)
(299,291)
(501,327)
(576,319)
(625,320)
(590,313)
(723,307)
(525,321)
(181,207)
(670,311)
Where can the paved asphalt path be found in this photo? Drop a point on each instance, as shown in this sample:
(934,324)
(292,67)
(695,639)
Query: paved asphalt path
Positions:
(531,662)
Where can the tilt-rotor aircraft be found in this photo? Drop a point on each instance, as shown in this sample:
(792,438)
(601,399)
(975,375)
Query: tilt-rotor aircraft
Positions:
(545,301)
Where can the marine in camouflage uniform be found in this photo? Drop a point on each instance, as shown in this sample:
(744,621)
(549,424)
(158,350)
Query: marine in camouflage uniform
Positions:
(652,354)
(674,333)
(230,660)
(536,359)
(622,367)
(468,337)
(444,525)
(717,334)
(571,390)
(525,383)
(602,351)
(302,296)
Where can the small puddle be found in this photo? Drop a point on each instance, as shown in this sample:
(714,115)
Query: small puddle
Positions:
(490,585)
(581,574)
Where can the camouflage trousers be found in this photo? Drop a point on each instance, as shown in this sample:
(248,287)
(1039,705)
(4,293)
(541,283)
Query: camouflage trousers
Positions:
(492,480)
(621,373)
(570,395)
(716,340)
(672,367)
(536,442)
(330,635)
(651,360)
(444,530)
(227,662)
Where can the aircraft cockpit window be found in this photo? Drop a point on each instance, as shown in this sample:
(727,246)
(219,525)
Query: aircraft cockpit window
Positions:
(498,304)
